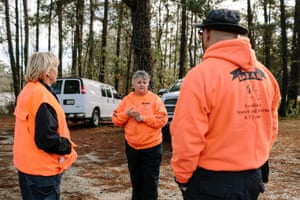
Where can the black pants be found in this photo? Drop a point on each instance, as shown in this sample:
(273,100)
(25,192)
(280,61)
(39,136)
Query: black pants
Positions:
(210,185)
(144,168)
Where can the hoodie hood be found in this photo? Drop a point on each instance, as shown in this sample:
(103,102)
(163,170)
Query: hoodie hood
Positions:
(236,51)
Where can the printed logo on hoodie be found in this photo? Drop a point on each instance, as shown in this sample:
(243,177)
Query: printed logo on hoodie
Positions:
(257,74)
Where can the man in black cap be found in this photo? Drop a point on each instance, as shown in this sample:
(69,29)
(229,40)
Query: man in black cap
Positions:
(225,121)
(224,20)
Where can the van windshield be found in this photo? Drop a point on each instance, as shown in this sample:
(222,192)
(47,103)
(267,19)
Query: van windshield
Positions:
(176,86)
(115,94)
(56,87)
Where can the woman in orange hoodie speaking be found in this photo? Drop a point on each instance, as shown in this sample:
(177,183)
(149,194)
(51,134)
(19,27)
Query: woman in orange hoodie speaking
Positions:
(142,114)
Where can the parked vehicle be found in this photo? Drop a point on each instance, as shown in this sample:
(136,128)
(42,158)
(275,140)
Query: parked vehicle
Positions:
(85,99)
(169,98)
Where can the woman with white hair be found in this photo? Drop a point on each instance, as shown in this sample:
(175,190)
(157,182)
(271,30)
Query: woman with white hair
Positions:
(43,148)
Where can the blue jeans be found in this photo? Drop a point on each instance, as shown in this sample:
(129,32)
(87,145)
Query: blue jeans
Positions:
(212,185)
(144,166)
(39,187)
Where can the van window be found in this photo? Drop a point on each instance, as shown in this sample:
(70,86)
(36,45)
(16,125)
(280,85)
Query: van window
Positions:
(103,92)
(72,87)
(108,92)
(56,87)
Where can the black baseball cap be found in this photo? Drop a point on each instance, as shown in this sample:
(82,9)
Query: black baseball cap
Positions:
(223,20)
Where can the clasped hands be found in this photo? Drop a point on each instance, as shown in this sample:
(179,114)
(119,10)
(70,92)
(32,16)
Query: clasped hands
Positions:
(134,114)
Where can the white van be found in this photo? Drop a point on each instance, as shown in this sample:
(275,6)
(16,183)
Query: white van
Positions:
(85,99)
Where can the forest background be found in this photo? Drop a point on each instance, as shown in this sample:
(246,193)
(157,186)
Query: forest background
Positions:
(106,40)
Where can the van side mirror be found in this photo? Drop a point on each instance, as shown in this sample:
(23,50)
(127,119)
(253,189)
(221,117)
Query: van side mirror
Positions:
(162,91)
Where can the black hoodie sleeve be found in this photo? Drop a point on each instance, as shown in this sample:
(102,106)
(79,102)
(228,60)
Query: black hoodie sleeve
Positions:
(46,136)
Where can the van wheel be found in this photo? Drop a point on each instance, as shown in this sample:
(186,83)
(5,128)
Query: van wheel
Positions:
(95,120)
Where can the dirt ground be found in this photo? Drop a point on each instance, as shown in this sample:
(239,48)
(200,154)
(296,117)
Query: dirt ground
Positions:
(100,173)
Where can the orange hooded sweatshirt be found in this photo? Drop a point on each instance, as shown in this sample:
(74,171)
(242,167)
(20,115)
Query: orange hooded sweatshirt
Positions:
(226,114)
(146,134)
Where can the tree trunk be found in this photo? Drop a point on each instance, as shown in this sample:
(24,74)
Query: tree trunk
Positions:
(182,41)
(176,43)
(77,43)
(17,43)
(117,70)
(49,25)
(26,33)
(158,44)
(168,40)
(91,66)
(141,34)
(75,40)
(294,76)
(190,48)
(284,55)
(15,74)
(128,82)
(250,23)
(80,33)
(267,34)
(37,26)
(103,43)
(60,35)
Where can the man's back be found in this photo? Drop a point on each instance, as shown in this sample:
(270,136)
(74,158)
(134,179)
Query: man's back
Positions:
(225,120)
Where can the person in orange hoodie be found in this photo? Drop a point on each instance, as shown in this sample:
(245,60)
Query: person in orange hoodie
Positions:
(42,148)
(225,121)
(142,114)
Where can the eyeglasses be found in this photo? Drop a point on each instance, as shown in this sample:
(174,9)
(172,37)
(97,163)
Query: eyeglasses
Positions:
(200,32)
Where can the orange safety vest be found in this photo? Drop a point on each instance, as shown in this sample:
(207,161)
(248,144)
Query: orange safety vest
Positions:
(28,158)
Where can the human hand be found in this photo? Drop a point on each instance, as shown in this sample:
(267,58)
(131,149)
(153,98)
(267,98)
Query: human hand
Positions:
(139,118)
(134,114)
(182,186)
